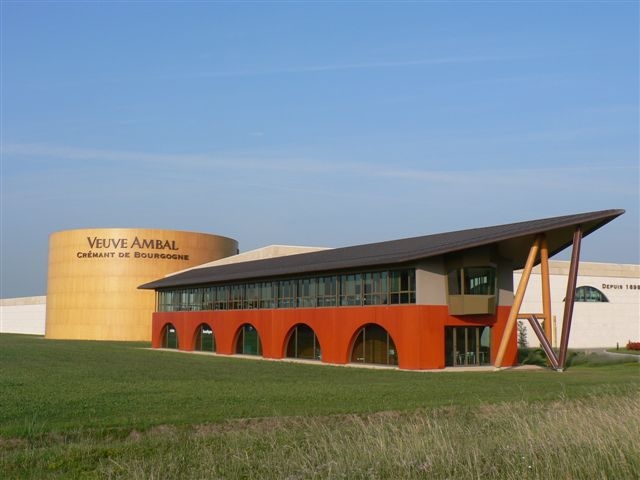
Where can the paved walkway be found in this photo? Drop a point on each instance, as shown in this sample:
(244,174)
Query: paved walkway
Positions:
(603,351)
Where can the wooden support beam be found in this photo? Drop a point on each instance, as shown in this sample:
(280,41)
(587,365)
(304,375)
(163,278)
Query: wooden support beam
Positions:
(525,316)
(570,297)
(546,289)
(517,301)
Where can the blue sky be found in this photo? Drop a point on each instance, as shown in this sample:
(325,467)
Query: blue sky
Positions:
(325,124)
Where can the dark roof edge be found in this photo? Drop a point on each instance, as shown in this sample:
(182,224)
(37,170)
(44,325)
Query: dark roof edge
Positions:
(394,251)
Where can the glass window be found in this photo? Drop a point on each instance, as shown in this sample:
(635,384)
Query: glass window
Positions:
(184,300)
(479,280)
(180,300)
(327,291)
(351,289)
(402,286)
(467,346)
(303,343)
(373,344)
(222,298)
(208,298)
(307,291)
(248,342)
(169,336)
(252,296)
(590,294)
(287,294)
(376,288)
(472,281)
(236,297)
(205,340)
(165,303)
(268,294)
(197,299)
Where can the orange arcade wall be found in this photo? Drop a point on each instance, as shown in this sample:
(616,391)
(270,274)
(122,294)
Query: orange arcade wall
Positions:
(418,331)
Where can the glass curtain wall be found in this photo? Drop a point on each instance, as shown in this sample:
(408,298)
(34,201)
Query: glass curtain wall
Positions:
(348,289)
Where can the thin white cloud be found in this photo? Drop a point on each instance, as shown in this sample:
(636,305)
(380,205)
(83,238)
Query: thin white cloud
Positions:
(218,162)
(589,179)
(354,66)
(585,178)
(295,69)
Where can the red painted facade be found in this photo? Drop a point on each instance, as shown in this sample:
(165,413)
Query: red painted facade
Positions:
(418,331)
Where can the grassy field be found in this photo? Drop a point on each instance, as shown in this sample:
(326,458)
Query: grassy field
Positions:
(119,410)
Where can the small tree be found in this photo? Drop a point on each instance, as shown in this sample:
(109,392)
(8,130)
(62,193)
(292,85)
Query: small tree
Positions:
(522,335)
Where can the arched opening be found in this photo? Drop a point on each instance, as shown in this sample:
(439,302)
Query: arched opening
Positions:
(169,336)
(248,341)
(588,293)
(373,344)
(205,340)
(303,343)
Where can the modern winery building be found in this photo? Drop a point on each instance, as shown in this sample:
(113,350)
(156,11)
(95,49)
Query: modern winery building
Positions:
(417,303)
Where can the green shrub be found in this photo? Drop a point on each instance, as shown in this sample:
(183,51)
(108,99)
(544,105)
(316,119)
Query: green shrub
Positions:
(532,356)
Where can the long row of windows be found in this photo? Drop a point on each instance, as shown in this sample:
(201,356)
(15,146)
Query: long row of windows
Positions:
(349,289)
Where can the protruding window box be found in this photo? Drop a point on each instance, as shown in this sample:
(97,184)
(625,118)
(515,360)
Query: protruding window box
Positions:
(471,304)
(471,290)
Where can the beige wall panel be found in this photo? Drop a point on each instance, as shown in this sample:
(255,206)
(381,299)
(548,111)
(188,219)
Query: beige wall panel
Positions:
(94,274)
(505,283)
(431,282)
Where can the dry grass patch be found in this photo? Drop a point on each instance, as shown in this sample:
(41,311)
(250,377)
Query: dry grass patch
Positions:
(570,439)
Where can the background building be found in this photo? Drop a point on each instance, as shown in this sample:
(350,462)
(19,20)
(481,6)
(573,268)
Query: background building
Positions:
(24,315)
(94,274)
(607,306)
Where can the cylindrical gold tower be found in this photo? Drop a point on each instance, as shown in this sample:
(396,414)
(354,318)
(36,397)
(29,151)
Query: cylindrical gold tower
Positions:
(94,274)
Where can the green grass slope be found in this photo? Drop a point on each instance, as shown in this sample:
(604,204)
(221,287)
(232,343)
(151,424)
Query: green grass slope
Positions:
(74,409)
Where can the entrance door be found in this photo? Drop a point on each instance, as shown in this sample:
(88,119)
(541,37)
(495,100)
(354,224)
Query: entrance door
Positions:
(465,346)
(169,336)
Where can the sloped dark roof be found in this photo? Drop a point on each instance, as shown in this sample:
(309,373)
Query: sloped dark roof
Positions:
(512,240)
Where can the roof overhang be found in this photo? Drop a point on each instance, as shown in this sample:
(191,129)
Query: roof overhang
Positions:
(512,242)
